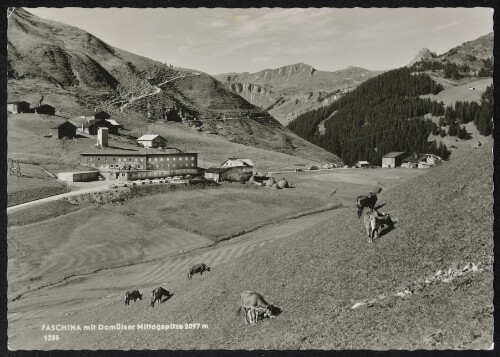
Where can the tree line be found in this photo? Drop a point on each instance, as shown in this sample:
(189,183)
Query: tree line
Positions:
(453,70)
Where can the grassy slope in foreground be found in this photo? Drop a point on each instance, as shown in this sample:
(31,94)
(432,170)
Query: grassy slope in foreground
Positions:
(445,218)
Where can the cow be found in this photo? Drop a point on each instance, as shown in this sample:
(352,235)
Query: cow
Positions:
(255,313)
(198,268)
(157,294)
(369,200)
(375,220)
(132,295)
(251,300)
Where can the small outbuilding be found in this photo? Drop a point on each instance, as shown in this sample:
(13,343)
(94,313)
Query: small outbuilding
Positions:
(152,141)
(79,176)
(18,107)
(392,159)
(63,130)
(46,109)
(361,164)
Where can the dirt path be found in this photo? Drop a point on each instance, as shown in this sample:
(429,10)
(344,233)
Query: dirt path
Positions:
(101,186)
(157,90)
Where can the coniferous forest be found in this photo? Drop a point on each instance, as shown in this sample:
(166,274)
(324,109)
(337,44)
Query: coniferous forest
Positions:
(386,114)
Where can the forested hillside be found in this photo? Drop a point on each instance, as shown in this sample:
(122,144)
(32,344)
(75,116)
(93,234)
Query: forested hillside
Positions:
(384,114)
(465,112)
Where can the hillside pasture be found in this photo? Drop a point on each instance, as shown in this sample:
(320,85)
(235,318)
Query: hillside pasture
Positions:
(213,150)
(461,92)
(99,252)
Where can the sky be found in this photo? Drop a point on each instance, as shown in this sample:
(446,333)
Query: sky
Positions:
(249,40)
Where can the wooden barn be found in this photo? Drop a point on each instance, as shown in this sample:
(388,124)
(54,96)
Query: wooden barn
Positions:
(63,130)
(46,109)
(152,141)
(18,107)
(392,159)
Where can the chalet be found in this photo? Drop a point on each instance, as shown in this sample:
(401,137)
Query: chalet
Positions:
(228,173)
(92,127)
(392,159)
(361,164)
(63,130)
(238,162)
(44,109)
(152,141)
(93,115)
(18,107)
(422,161)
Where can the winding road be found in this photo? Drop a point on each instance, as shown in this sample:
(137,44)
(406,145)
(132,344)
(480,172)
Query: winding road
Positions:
(157,89)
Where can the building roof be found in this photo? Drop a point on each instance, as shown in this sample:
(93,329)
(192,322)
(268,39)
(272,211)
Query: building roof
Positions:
(149,137)
(18,102)
(363,162)
(393,154)
(56,124)
(415,158)
(78,172)
(242,162)
(216,170)
(134,153)
(92,122)
(112,122)
(44,106)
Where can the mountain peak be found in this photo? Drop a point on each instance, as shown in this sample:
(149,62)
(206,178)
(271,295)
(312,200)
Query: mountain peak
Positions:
(423,54)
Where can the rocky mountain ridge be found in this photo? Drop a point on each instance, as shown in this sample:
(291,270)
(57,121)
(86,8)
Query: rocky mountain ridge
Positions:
(287,91)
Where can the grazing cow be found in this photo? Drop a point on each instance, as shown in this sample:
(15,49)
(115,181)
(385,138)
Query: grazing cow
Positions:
(198,268)
(255,313)
(157,294)
(132,295)
(369,200)
(374,221)
(251,300)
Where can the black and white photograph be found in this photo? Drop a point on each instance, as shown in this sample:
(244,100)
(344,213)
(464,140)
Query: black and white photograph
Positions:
(312,178)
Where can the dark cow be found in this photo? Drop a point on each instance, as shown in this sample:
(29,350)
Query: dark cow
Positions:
(374,221)
(198,268)
(369,200)
(254,302)
(157,294)
(132,295)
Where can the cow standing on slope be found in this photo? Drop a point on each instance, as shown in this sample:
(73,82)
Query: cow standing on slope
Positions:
(157,294)
(132,295)
(374,221)
(369,200)
(198,268)
(254,305)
